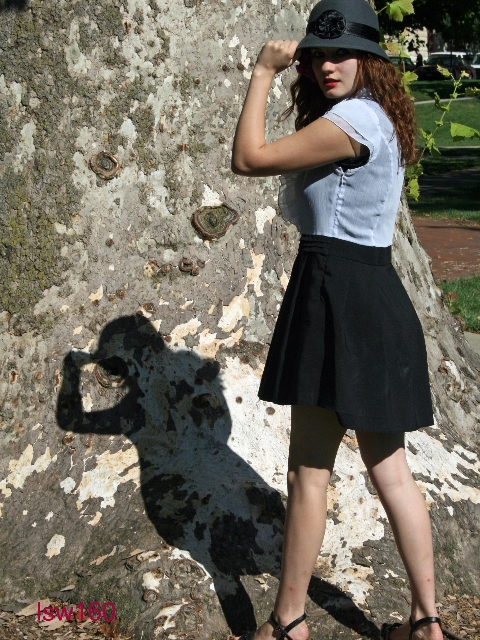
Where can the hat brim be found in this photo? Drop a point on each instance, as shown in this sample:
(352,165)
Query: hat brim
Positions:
(347,41)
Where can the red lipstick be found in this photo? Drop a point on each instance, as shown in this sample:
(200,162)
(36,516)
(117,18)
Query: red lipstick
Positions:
(330,82)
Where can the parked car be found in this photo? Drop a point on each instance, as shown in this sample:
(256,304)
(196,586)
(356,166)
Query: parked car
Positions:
(462,54)
(476,64)
(405,64)
(455,62)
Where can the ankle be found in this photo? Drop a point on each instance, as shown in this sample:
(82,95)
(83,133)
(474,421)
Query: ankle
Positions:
(427,630)
(419,613)
(286,617)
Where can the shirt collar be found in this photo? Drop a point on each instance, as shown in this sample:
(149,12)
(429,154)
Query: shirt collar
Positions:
(364,93)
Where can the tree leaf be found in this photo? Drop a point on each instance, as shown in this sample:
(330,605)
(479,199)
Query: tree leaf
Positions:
(432,147)
(394,12)
(454,309)
(413,189)
(414,170)
(445,72)
(404,55)
(438,103)
(450,297)
(397,9)
(392,47)
(472,91)
(407,78)
(461,131)
(426,135)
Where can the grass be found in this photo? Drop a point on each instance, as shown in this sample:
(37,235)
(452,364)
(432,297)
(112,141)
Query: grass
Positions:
(463,298)
(462,295)
(466,112)
(424,89)
(457,202)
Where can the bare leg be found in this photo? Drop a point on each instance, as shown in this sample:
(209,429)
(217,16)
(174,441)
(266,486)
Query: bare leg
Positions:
(315,438)
(384,457)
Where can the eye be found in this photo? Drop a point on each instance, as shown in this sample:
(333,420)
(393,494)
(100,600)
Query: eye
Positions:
(337,54)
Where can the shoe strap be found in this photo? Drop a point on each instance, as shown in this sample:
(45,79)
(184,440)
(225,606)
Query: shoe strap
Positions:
(386,628)
(284,630)
(414,625)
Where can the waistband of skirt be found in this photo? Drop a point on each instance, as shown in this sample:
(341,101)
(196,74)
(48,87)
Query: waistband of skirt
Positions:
(328,246)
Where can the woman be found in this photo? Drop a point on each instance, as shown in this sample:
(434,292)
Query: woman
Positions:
(348,350)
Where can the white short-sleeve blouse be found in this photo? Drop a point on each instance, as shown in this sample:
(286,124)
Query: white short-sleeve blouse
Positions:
(356,204)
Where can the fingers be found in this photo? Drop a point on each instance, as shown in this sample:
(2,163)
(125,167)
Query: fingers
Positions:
(278,55)
(287,41)
(283,45)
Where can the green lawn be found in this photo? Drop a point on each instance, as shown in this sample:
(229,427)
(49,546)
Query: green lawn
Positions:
(462,295)
(465,301)
(464,111)
(461,203)
(424,90)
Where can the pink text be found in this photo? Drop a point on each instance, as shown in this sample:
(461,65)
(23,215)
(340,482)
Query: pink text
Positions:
(95,611)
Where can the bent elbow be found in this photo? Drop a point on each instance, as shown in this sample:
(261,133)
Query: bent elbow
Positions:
(239,170)
(234,168)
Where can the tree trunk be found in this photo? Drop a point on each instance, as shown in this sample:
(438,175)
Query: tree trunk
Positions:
(137,463)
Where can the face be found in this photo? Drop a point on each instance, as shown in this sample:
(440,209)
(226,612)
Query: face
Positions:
(336,71)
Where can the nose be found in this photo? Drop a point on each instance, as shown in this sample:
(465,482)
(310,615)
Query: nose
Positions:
(328,65)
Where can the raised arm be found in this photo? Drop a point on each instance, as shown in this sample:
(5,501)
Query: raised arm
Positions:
(321,142)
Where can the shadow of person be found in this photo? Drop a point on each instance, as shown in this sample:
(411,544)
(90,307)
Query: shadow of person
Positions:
(13,5)
(199,494)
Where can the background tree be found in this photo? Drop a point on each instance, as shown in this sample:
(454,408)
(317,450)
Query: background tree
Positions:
(457,20)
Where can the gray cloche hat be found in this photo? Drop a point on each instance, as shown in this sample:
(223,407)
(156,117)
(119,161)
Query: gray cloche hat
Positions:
(352,24)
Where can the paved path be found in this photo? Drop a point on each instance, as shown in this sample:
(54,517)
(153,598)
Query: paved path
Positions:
(453,245)
(473,340)
(442,100)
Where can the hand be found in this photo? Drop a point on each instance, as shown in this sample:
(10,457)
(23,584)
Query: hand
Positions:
(277,55)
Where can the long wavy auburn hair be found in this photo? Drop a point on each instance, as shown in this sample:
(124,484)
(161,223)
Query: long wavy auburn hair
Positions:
(385,84)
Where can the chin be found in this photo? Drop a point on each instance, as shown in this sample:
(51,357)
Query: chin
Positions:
(331,94)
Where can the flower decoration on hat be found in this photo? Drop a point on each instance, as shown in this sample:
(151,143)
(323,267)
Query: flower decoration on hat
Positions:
(328,25)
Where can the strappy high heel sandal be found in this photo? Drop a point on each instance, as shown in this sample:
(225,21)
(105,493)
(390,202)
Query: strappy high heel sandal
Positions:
(386,628)
(414,625)
(276,625)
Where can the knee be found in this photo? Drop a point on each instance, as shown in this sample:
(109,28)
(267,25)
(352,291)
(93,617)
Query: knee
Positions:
(305,478)
(390,476)
(384,458)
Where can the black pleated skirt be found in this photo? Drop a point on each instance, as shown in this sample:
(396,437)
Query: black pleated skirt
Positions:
(348,339)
